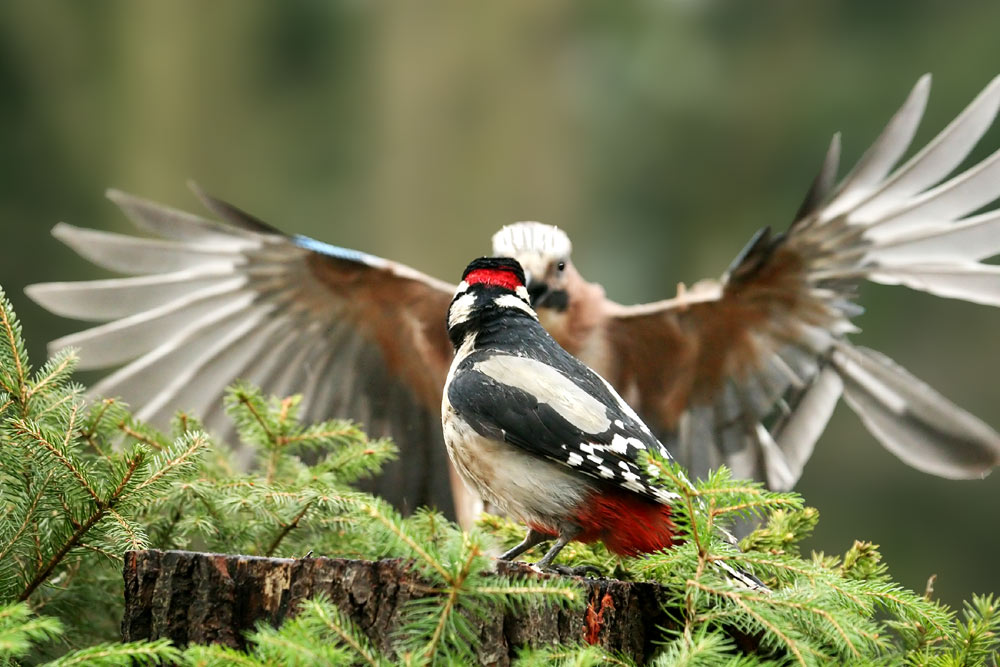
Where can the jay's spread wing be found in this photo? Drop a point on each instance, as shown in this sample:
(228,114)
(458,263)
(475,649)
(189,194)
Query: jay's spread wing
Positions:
(563,412)
(358,336)
(747,371)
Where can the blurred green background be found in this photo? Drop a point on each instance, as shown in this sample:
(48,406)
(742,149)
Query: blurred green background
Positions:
(659,134)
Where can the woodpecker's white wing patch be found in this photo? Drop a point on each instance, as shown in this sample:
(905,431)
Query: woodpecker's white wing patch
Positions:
(549,386)
(620,444)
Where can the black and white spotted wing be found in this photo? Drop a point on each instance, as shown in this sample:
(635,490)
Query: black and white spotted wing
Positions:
(558,409)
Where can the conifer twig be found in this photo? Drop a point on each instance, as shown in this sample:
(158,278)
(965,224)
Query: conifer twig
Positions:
(287,528)
(44,381)
(740,600)
(57,557)
(345,636)
(426,557)
(77,536)
(104,552)
(181,458)
(135,542)
(144,439)
(450,602)
(21,427)
(12,341)
(88,434)
(27,516)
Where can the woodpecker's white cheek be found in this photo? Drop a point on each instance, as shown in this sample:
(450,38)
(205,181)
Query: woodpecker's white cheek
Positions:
(461,309)
(462,287)
(511,301)
(550,387)
(522,292)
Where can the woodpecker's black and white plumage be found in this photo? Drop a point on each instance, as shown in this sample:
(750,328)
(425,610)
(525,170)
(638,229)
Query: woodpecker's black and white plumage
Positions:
(540,435)
(744,371)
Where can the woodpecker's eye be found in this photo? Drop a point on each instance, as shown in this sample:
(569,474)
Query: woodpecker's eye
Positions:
(561,265)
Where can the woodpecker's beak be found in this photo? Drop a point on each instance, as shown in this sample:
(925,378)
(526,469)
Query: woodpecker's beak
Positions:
(543,297)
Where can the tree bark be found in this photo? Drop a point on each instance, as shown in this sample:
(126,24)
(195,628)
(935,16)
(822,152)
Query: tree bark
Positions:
(214,598)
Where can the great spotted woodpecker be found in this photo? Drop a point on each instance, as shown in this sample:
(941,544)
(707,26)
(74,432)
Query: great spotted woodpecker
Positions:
(538,434)
(362,337)
(541,436)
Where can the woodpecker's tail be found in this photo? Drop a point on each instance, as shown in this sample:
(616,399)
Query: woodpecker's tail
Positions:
(742,577)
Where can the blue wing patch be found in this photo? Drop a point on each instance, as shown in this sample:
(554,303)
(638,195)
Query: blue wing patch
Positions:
(336,251)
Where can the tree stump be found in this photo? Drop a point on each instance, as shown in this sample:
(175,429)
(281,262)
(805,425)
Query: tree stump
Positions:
(215,598)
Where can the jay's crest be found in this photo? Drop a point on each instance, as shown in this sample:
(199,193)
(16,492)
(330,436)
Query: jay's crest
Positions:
(531,237)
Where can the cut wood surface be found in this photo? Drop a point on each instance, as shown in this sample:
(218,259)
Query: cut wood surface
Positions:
(215,598)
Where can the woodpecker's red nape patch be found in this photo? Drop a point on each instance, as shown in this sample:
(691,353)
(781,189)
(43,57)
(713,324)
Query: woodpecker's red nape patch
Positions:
(494,278)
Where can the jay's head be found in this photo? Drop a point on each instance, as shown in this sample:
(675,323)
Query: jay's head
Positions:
(491,287)
(543,251)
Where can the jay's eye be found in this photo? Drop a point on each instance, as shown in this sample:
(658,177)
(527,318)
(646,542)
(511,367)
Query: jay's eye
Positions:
(561,265)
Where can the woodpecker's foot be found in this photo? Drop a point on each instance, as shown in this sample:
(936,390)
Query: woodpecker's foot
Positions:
(576,571)
(531,539)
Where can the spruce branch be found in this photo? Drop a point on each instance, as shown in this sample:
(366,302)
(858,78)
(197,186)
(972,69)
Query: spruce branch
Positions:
(570,656)
(131,432)
(343,629)
(29,515)
(392,524)
(57,368)
(104,552)
(450,603)
(31,431)
(13,354)
(156,652)
(19,630)
(287,528)
(46,570)
(772,628)
(169,462)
